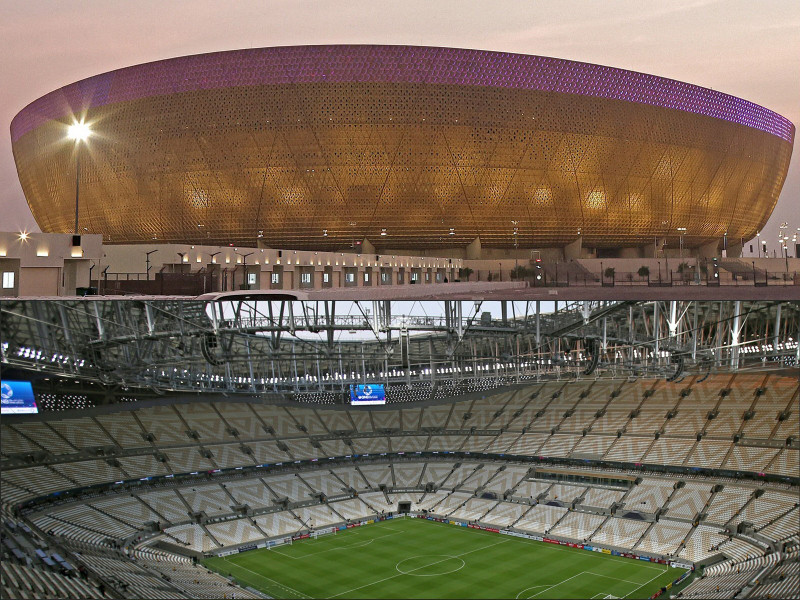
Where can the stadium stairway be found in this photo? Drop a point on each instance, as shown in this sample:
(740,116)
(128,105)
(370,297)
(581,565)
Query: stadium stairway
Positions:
(555,524)
(522,516)
(686,539)
(750,500)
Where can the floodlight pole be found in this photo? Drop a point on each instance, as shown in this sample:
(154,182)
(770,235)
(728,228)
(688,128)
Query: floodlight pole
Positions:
(77,181)
(147,262)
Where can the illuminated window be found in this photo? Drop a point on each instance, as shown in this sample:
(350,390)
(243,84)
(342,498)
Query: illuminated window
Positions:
(350,277)
(326,277)
(305,278)
(276,278)
(8,280)
(251,278)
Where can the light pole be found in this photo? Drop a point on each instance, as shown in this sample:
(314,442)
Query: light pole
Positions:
(244,265)
(147,262)
(79,132)
(683,232)
(353,225)
(783,239)
(516,245)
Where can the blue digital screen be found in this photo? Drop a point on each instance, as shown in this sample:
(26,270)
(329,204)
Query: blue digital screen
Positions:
(370,393)
(16,398)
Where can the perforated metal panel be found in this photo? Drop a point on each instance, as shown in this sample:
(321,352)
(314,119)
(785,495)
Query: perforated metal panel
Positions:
(296,143)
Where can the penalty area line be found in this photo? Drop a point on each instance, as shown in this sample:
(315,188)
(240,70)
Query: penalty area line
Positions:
(645,583)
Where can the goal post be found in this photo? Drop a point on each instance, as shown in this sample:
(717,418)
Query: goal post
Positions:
(279,542)
(325,531)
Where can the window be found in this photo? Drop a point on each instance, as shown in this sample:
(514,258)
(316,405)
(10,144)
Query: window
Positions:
(350,277)
(366,276)
(276,278)
(305,278)
(326,278)
(8,280)
(251,278)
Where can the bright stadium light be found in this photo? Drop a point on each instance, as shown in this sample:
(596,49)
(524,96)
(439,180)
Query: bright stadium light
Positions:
(79,132)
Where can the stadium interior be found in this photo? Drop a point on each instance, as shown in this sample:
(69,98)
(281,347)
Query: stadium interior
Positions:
(168,431)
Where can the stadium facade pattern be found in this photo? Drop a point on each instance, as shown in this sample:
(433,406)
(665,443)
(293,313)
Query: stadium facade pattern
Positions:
(315,146)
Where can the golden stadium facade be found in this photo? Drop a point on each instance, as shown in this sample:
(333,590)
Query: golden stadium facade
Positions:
(312,147)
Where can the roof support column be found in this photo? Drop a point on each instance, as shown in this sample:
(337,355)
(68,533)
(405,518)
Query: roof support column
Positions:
(735,333)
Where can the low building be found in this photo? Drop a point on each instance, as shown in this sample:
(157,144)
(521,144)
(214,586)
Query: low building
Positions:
(194,269)
(48,264)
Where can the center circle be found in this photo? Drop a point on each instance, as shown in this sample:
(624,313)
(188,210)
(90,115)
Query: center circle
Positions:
(430,565)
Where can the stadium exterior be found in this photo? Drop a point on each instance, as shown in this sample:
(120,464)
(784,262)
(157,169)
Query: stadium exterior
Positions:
(432,150)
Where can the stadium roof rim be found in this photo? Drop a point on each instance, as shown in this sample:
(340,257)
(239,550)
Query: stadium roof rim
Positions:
(391,64)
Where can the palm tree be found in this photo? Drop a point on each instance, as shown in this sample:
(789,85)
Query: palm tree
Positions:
(519,272)
(465,272)
(643,272)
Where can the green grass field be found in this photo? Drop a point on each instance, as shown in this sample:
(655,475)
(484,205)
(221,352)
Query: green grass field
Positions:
(416,558)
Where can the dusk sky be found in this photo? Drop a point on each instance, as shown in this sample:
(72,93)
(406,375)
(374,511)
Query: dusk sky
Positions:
(744,48)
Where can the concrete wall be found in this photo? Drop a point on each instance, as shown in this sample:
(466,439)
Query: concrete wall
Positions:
(47,264)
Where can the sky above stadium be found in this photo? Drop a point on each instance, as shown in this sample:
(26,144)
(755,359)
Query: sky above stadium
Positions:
(744,48)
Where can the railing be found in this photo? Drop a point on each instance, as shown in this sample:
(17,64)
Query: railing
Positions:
(663,279)
(161,283)
(198,283)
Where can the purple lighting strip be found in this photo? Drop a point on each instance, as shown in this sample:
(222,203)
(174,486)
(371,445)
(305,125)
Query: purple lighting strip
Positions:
(391,64)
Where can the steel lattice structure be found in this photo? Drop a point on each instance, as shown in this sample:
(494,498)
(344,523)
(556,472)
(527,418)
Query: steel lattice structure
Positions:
(315,147)
(284,346)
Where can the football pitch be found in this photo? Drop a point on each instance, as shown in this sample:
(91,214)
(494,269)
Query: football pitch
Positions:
(416,558)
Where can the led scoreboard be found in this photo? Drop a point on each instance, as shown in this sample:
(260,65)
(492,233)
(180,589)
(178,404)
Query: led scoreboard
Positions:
(370,393)
(17,398)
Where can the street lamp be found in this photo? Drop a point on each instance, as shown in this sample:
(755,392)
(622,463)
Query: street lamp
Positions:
(79,132)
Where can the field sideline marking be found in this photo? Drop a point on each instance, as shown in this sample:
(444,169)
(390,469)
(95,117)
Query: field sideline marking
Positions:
(559,549)
(422,567)
(281,585)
